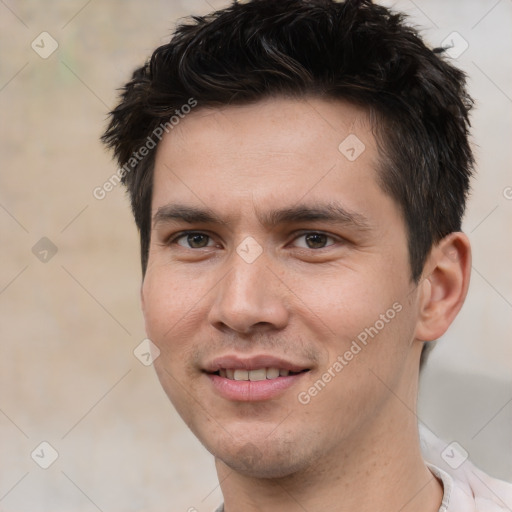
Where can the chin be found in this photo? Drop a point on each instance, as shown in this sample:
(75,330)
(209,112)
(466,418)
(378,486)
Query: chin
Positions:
(265,459)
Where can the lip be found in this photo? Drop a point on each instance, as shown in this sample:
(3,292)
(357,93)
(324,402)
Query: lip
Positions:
(253,391)
(253,363)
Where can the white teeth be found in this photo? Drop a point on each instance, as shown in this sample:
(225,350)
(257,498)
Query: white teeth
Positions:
(272,373)
(260,374)
(241,375)
(253,375)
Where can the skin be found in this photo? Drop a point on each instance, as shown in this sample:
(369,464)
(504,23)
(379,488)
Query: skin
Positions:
(355,445)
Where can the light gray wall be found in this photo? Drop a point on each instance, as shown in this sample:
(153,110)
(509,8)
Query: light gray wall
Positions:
(69,326)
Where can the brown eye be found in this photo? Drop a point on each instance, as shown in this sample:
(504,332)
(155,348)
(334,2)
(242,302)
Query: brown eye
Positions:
(194,240)
(316,240)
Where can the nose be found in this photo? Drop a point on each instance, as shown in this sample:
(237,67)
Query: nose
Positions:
(250,299)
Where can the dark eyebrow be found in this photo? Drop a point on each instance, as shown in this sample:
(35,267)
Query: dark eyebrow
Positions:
(331,212)
(188,214)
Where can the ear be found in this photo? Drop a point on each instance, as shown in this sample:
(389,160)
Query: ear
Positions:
(444,285)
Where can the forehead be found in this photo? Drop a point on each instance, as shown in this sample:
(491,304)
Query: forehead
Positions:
(273,150)
(278,124)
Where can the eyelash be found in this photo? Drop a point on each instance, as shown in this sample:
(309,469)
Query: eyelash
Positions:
(174,239)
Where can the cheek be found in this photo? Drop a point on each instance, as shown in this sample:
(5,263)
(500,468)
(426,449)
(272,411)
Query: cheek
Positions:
(366,359)
(173,314)
(347,300)
(171,305)
(371,325)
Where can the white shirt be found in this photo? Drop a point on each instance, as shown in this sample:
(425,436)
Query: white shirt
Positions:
(466,488)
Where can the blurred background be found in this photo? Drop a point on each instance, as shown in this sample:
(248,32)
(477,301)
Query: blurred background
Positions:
(70,272)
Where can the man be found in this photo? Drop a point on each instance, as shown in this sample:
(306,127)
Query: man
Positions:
(298,172)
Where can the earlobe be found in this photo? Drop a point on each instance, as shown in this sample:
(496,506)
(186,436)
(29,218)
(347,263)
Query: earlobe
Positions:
(444,286)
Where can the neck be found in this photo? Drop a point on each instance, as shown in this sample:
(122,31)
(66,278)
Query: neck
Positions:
(377,468)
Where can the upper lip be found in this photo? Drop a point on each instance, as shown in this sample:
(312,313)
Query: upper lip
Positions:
(252,363)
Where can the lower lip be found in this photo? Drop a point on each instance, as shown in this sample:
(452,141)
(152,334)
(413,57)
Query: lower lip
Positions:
(253,391)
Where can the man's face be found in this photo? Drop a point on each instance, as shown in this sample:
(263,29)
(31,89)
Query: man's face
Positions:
(274,251)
